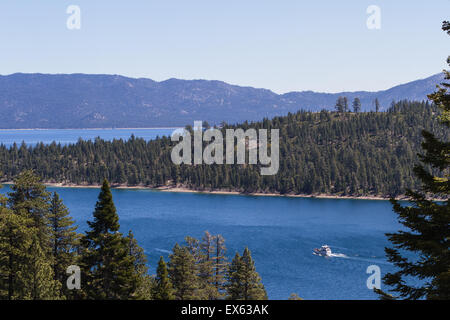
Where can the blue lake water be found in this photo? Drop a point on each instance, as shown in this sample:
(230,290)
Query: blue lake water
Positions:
(281,233)
(67,136)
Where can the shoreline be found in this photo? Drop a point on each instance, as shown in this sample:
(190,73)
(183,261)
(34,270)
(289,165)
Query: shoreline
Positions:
(178,189)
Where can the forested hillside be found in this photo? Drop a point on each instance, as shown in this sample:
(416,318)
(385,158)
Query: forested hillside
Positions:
(339,153)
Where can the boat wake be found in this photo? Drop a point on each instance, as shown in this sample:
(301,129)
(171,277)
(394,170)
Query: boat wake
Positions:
(338,255)
(163,251)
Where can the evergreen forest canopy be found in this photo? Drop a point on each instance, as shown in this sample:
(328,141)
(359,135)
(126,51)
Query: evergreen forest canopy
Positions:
(338,153)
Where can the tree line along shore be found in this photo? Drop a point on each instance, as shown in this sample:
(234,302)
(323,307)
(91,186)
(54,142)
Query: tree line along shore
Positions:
(325,154)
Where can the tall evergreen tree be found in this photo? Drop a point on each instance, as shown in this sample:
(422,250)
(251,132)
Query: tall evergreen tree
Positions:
(356,105)
(15,240)
(30,197)
(377,105)
(427,220)
(183,274)
(341,105)
(206,267)
(38,278)
(244,282)
(108,268)
(64,241)
(25,251)
(162,289)
(143,284)
(234,281)
(220,264)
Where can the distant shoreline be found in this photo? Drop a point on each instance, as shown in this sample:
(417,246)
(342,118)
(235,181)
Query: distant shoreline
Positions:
(219,192)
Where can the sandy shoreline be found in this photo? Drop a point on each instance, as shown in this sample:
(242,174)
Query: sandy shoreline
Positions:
(319,196)
(221,192)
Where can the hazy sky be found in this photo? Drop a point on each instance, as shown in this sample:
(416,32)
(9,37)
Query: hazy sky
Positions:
(284,45)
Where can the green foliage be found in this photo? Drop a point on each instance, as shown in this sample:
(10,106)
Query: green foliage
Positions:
(162,289)
(342,105)
(198,270)
(25,247)
(294,297)
(219,264)
(427,221)
(183,274)
(377,105)
(356,105)
(109,271)
(15,240)
(64,241)
(142,280)
(244,282)
(30,198)
(37,276)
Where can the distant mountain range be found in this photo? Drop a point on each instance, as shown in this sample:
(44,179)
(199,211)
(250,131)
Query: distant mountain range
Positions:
(105,101)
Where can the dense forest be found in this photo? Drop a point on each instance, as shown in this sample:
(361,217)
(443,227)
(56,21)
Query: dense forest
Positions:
(43,257)
(346,153)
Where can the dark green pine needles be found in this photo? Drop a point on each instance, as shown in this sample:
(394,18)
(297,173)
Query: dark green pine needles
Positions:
(427,222)
(109,270)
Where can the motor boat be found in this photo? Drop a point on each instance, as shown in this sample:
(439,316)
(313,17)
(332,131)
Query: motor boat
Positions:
(323,251)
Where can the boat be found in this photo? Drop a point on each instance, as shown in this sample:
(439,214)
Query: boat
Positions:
(323,251)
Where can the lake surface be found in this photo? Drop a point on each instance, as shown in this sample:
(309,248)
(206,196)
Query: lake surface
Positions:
(67,136)
(280,232)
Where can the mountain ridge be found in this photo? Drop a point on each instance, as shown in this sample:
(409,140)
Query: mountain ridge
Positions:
(103,101)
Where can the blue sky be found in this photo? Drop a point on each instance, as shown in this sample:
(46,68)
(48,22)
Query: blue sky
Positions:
(285,45)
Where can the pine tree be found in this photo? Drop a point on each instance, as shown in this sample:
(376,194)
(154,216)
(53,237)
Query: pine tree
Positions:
(38,278)
(162,289)
(342,105)
(207,267)
(64,239)
(29,197)
(205,289)
(244,282)
(428,220)
(108,268)
(15,240)
(220,264)
(183,274)
(25,252)
(356,105)
(143,284)
(234,284)
(377,105)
